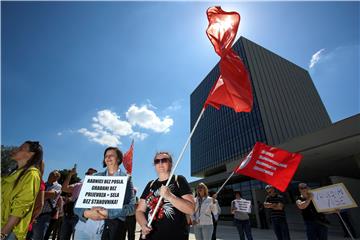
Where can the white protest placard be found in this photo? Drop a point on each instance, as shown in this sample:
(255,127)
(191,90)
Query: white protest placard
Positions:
(242,205)
(332,197)
(102,191)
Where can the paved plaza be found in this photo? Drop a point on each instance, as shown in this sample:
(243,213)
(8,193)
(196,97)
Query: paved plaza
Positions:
(225,232)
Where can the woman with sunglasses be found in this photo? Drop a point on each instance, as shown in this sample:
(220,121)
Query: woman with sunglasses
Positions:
(19,191)
(170,219)
(202,218)
(114,227)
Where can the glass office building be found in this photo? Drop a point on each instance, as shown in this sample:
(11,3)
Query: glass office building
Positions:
(286,105)
(287,113)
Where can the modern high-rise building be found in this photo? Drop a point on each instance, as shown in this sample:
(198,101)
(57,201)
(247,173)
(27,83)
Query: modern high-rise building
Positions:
(286,105)
(287,113)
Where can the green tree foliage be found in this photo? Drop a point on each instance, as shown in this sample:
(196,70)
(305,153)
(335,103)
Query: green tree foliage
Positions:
(7,164)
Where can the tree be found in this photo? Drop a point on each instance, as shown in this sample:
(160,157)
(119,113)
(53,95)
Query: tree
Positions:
(7,164)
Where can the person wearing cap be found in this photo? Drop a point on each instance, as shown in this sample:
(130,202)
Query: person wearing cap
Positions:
(315,223)
(275,202)
(70,219)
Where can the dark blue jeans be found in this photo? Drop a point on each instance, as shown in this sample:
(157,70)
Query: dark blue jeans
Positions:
(41,225)
(243,226)
(316,231)
(281,228)
(68,227)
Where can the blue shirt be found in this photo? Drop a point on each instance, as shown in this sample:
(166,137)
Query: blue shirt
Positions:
(129,200)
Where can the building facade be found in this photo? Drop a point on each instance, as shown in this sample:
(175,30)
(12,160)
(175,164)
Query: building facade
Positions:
(287,113)
(286,105)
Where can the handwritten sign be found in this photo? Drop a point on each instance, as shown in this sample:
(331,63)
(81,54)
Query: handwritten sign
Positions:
(102,191)
(332,197)
(242,205)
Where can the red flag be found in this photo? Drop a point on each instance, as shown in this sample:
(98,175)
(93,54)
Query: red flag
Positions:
(233,88)
(127,159)
(271,165)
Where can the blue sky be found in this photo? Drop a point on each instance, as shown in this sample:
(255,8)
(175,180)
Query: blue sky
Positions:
(78,76)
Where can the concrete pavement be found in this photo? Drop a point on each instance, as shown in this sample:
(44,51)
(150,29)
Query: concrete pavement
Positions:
(230,233)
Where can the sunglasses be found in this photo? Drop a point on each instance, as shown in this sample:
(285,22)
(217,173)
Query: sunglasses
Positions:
(162,160)
(302,188)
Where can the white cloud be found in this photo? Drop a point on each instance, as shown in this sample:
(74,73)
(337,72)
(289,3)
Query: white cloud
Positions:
(150,105)
(108,128)
(147,119)
(101,137)
(316,57)
(176,105)
(59,133)
(108,140)
(111,121)
(88,133)
(139,136)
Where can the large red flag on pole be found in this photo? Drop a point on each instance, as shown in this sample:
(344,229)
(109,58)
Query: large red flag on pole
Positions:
(233,87)
(272,165)
(128,158)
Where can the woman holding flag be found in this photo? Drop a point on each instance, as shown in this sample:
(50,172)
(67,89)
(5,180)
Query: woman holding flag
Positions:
(170,219)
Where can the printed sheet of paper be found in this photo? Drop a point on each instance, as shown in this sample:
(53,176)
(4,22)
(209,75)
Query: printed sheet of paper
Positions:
(102,191)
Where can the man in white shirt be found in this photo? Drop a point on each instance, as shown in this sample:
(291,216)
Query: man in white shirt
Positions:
(241,218)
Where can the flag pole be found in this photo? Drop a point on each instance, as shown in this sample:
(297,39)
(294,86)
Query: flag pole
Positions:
(348,230)
(224,183)
(174,168)
(229,177)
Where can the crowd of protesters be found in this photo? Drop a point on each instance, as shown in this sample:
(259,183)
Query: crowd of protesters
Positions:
(35,210)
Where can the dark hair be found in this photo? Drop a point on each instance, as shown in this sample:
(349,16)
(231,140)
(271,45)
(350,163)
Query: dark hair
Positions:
(90,169)
(34,161)
(118,153)
(237,192)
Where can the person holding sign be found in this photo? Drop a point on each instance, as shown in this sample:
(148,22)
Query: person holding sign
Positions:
(275,202)
(315,223)
(170,219)
(240,208)
(202,219)
(114,227)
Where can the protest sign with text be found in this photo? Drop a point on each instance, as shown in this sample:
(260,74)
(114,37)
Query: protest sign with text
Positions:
(242,205)
(269,164)
(102,191)
(332,197)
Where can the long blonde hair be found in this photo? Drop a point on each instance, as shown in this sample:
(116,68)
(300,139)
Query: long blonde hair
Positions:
(206,190)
